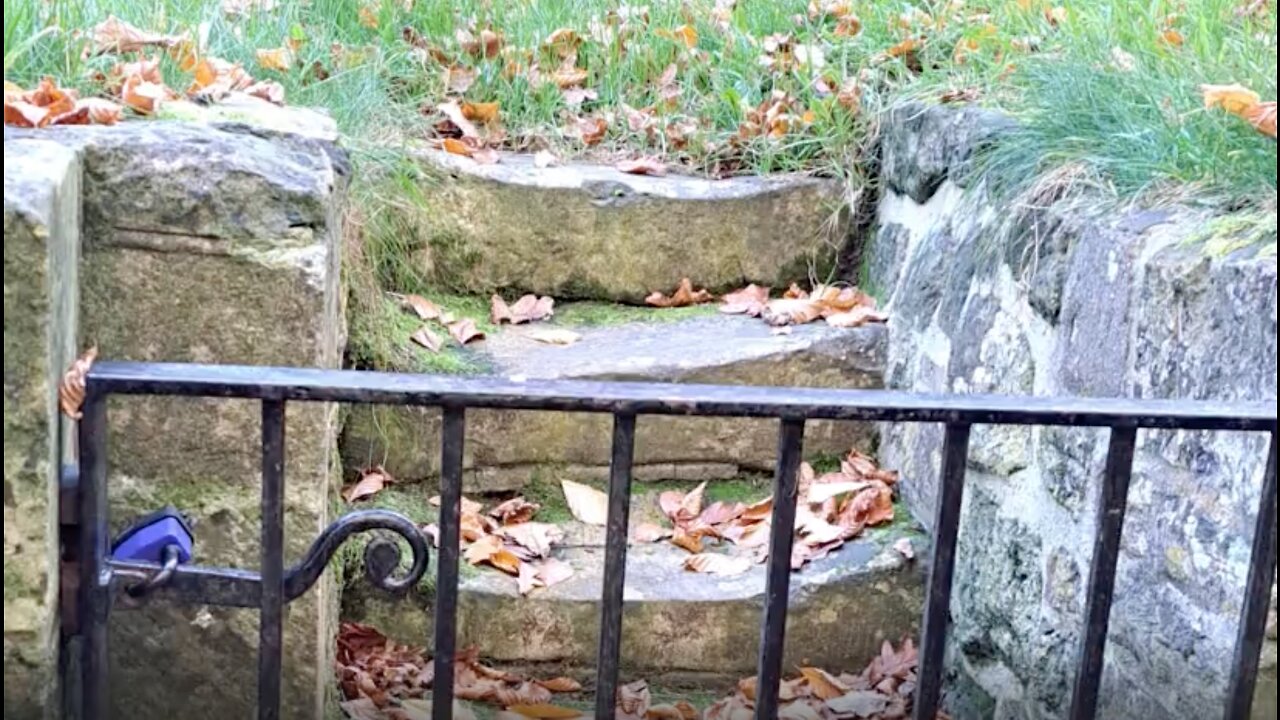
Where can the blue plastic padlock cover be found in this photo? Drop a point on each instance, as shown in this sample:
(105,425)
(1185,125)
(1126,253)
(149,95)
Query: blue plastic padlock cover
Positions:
(146,539)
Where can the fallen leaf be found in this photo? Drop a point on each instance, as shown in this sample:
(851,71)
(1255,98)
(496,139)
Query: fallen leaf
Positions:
(71,387)
(142,96)
(856,317)
(905,548)
(563,41)
(280,58)
(480,112)
(544,711)
(561,685)
(427,339)
(1172,37)
(860,704)
(454,146)
(464,331)
(650,533)
(591,130)
(684,296)
(1263,117)
(459,79)
(371,482)
(114,35)
(554,336)
(575,96)
(642,166)
(822,492)
(368,17)
(529,308)
(961,95)
(567,77)
(791,311)
(468,506)
(685,34)
(514,511)
(1235,99)
(822,683)
(634,699)
(18,113)
(587,504)
(422,307)
(750,300)
(717,564)
(458,118)
(551,572)
(272,92)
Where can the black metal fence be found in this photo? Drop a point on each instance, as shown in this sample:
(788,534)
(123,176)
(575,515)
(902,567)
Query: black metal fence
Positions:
(101,577)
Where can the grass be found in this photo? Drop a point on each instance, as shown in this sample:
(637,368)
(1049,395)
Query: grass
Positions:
(1102,95)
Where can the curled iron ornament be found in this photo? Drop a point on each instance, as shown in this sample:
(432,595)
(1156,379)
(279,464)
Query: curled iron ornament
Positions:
(381,555)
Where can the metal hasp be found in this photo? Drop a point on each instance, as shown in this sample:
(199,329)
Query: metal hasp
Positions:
(93,577)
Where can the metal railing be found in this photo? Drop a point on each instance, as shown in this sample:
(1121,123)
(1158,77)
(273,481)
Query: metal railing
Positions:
(101,576)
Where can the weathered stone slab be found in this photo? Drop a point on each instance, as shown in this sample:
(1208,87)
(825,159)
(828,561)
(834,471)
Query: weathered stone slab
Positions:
(505,448)
(41,303)
(587,231)
(841,609)
(204,245)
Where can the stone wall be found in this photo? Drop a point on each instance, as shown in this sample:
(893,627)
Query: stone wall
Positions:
(200,244)
(41,260)
(1038,296)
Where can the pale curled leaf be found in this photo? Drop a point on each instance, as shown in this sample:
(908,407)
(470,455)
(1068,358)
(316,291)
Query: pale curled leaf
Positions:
(556,336)
(428,339)
(587,504)
(643,166)
(71,388)
(371,482)
(716,564)
(684,296)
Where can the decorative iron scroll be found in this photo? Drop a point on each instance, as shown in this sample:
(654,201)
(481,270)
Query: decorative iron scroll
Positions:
(381,555)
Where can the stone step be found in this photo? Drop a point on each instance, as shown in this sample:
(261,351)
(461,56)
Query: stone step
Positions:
(505,449)
(676,624)
(592,232)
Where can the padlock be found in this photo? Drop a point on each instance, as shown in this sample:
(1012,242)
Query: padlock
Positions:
(150,538)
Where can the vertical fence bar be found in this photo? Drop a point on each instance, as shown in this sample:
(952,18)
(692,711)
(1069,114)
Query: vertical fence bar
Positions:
(94,601)
(446,613)
(946,527)
(778,581)
(1102,573)
(615,564)
(1253,617)
(271,615)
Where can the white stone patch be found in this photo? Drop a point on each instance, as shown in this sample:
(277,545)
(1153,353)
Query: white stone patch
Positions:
(916,218)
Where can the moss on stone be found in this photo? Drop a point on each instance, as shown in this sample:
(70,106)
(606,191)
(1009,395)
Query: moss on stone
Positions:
(596,314)
(380,339)
(1228,234)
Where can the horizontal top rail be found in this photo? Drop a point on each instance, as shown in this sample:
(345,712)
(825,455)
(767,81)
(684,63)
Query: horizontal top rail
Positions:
(356,386)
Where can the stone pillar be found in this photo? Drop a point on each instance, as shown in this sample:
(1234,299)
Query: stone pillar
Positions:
(41,255)
(218,246)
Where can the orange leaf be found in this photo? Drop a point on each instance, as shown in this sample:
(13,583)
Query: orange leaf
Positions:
(587,504)
(905,47)
(71,387)
(591,130)
(368,17)
(856,317)
(823,684)
(1235,99)
(424,308)
(791,311)
(848,26)
(18,113)
(514,511)
(114,35)
(480,112)
(567,77)
(529,308)
(643,166)
(371,482)
(1263,117)
(279,58)
(750,300)
(684,296)
(1172,37)
(455,146)
(561,685)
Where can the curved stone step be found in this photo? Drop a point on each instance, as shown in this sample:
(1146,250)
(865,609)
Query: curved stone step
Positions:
(841,609)
(504,449)
(592,232)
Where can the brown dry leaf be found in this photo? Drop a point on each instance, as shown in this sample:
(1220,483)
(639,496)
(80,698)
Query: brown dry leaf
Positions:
(529,308)
(1262,117)
(575,96)
(102,112)
(468,506)
(856,317)
(821,492)
(649,533)
(791,311)
(71,388)
(545,711)
(534,539)
(458,118)
(905,48)
(479,551)
(643,166)
(717,564)
(1056,15)
(514,511)
(1172,37)
(142,96)
(823,684)
(860,704)
(464,331)
(561,685)
(686,34)
(633,699)
(684,296)
(371,482)
(961,95)
(272,92)
(18,113)
(552,571)
(682,508)
(459,79)
(719,513)
(428,339)
(679,711)
(280,58)
(368,17)
(454,146)
(587,504)
(750,300)
(422,307)
(567,77)
(687,541)
(114,35)
(554,336)
(591,130)
(564,42)
(872,506)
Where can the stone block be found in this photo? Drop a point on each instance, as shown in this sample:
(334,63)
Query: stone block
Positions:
(207,245)
(585,231)
(505,448)
(41,301)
